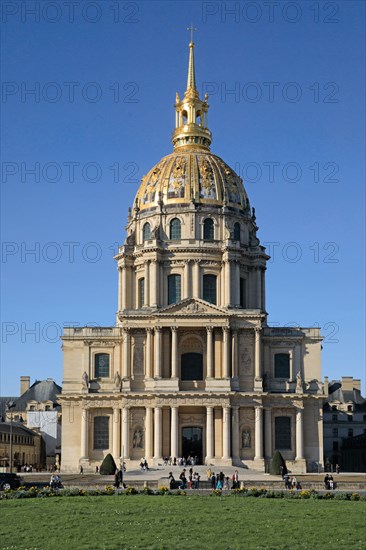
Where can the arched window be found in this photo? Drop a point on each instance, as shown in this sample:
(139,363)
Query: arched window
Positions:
(283,432)
(208,230)
(191,366)
(101,432)
(209,288)
(101,365)
(175,229)
(174,289)
(141,292)
(184,117)
(236,232)
(146,232)
(282,365)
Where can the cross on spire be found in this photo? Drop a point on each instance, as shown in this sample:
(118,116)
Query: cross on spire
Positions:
(192,29)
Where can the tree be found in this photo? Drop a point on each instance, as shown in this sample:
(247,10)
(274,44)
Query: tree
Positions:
(108,466)
(276,463)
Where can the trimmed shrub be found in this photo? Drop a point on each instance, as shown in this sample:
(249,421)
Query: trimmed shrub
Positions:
(277,462)
(108,466)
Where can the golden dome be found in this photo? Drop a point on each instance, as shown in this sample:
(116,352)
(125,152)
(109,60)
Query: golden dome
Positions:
(191,175)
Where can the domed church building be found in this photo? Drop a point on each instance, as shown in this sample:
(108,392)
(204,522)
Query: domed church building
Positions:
(191,367)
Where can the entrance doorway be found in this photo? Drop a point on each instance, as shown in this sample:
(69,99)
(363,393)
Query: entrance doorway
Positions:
(192,443)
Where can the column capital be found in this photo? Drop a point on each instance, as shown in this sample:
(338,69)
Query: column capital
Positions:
(210,328)
(174,329)
(225,329)
(149,330)
(158,329)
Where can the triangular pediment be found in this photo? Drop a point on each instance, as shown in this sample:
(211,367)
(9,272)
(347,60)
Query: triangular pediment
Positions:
(192,306)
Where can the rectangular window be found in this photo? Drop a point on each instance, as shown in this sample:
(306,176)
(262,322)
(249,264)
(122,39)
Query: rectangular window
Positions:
(209,288)
(349,418)
(141,292)
(350,432)
(282,365)
(334,417)
(335,445)
(243,293)
(101,432)
(335,432)
(101,365)
(174,289)
(283,432)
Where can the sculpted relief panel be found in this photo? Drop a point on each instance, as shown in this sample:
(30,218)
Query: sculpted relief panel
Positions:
(246,354)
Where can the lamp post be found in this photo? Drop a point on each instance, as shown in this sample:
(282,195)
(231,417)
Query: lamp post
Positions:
(11,405)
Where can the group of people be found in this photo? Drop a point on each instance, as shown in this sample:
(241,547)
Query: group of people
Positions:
(118,477)
(291,483)
(55,482)
(144,465)
(189,461)
(329,482)
(193,481)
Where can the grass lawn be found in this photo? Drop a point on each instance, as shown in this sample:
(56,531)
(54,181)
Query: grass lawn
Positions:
(177,522)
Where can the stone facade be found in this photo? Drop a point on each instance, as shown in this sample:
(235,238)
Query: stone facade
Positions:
(344,418)
(191,366)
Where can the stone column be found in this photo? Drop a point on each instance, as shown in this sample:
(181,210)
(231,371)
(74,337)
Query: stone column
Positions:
(226,433)
(237,284)
(147,284)
(186,279)
(157,433)
(174,352)
(210,449)
(125,451)
(258,288)
(268,432)
(234,351)
(299,435)
(119,288)
(148,372)
(84,433)
(228,283)
(124,287)
(210,364)
(157,343)
(116,434)
(196,279)
(148,433)
(258,433)
(153,283)
(126,353)
(226,352)
(263,290)
(174,432)
(257,361)
(235,433)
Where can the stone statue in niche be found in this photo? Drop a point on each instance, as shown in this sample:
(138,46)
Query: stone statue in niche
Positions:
(299,386)
(246,439)
(85,380)
(117,381)
(137,438)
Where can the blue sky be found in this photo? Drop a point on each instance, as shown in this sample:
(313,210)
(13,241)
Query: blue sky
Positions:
(286,87)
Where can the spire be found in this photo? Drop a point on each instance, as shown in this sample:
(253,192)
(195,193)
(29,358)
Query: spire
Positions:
(191,80)
(191,122)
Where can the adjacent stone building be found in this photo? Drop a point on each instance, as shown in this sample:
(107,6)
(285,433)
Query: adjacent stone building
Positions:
(344,419)
(191,367)
(37,408)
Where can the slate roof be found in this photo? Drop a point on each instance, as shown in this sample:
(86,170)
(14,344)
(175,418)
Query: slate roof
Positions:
(40,391)
(18,428)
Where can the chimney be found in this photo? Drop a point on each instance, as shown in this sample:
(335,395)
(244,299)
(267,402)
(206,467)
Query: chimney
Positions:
(357,384)
(24,384)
